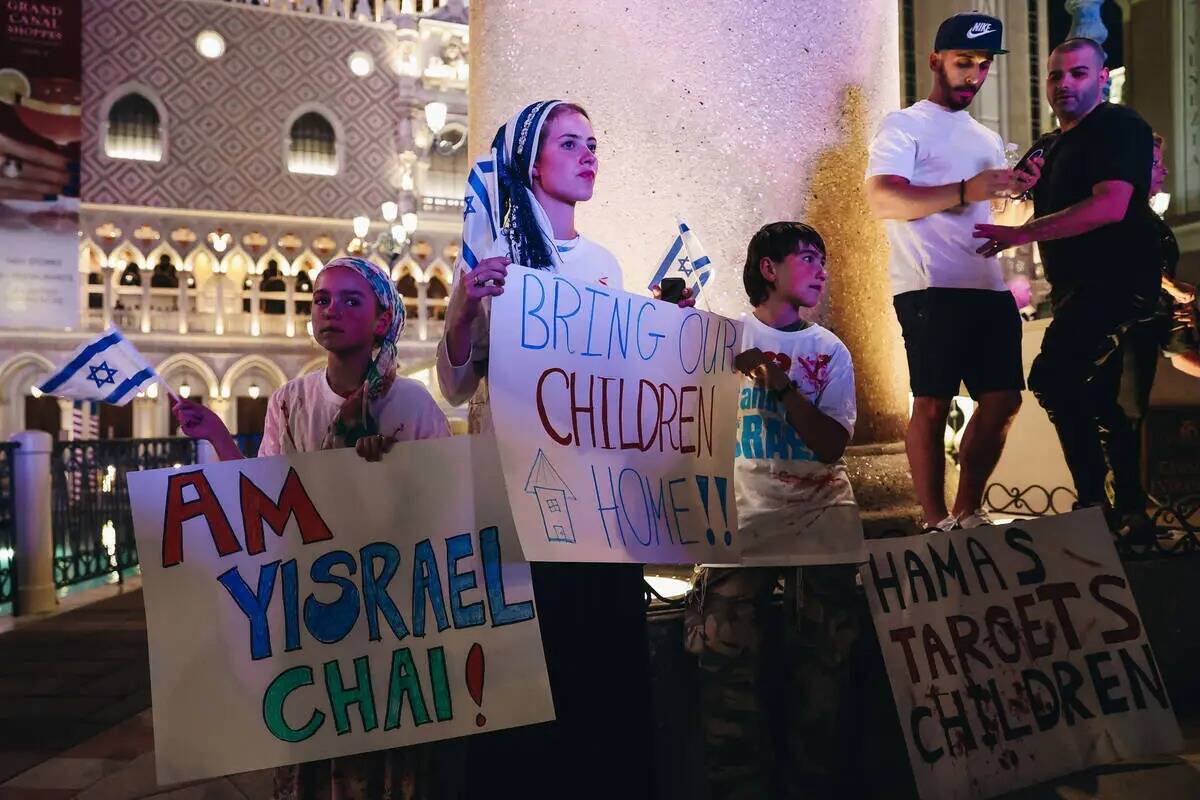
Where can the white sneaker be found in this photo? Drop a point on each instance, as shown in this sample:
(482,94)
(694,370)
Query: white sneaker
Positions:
(950,523)
(976,519)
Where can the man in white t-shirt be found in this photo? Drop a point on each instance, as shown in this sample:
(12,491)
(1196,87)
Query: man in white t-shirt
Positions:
(795,506)
(932,173)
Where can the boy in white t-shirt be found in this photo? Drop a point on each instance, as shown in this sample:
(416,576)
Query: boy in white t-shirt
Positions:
(795,505)
(932,173)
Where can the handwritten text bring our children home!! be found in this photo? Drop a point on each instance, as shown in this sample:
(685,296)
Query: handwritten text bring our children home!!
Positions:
(620,409)
(440,599)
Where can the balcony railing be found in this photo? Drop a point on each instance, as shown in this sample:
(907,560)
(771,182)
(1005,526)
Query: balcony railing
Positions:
(92,522)
(245,312)
(363,10)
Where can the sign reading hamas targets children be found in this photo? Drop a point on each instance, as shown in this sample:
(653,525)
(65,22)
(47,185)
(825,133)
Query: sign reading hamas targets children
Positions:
(615,417)
(366,620)
(1016,653)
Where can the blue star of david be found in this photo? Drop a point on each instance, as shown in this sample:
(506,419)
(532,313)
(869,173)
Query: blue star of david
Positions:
(470,201)
(685,267)
(102,374)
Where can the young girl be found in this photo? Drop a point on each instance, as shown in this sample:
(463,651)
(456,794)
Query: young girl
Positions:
(592,615)
(356,401)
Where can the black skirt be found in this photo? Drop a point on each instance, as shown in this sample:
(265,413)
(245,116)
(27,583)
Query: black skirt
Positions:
(593,624)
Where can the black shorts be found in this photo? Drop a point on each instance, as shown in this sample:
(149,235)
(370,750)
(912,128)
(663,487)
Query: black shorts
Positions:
(954,336)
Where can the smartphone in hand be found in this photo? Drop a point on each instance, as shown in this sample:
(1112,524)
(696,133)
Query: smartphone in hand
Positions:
(671,289)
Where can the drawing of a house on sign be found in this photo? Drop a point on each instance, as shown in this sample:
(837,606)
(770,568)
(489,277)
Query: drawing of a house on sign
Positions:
(552,495)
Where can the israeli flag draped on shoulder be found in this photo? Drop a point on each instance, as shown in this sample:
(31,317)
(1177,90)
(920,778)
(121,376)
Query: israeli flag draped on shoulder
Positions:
(502,217)
(108,369)
(686,259)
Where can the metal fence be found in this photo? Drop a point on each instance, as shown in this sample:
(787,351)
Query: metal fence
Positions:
(93,528)
(248,443)
(8,523)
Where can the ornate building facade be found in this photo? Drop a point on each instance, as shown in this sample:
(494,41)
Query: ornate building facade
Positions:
(230,150)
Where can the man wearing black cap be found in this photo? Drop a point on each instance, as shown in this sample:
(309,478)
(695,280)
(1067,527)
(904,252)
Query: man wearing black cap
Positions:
(932,173)
(1098,243)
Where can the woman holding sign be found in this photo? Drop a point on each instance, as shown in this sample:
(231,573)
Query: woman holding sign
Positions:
(356,401)
(521,210)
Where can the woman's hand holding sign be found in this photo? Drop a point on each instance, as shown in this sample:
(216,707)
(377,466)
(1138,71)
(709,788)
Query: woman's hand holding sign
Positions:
(466,301)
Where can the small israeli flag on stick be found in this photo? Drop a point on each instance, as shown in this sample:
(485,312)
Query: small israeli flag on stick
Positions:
(686,259)
(481,212)
(108,369)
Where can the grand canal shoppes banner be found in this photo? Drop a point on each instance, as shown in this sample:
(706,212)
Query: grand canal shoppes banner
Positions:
(40,132)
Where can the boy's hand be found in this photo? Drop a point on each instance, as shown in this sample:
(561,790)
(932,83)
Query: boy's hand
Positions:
(372,448)
(198,421)
(762,368)
(686,301)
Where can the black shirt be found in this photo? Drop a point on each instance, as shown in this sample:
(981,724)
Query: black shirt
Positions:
(1112,143)
(1168,246)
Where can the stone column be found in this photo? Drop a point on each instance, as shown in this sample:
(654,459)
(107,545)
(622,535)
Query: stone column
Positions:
(255,310)
(181,299)
(106,273)
(34,535)
(423,310)
(145,315)
(290,303)
(218,279)
(731,115)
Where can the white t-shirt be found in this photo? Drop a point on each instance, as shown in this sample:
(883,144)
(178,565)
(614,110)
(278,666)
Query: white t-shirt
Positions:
(792,508)
(300,412)
(933,146)
(582,260)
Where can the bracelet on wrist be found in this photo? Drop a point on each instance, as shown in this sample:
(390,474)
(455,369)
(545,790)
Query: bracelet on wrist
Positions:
(962,192)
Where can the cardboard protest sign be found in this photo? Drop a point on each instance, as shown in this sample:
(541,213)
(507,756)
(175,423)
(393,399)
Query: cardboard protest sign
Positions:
(1015,653)
(615,418)
(318,605)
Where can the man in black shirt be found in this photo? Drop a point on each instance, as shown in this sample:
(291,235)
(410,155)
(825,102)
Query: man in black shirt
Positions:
(1094,228)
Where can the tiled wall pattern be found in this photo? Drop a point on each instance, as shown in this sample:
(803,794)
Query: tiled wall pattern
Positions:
(226,119)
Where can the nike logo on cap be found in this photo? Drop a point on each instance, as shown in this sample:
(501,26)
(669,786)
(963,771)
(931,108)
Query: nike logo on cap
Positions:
(980,29)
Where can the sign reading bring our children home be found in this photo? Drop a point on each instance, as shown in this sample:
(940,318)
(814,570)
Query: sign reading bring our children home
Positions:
(615,416)
(317,605)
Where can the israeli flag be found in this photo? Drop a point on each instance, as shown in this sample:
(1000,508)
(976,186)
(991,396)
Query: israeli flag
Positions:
(686,259)
(109,369)
(481,212)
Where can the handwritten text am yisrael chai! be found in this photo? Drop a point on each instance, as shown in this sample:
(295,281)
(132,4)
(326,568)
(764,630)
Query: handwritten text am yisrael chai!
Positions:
(318,605)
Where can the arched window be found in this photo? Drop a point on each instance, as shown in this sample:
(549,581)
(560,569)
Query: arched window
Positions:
(133,129)
(312,145)
(407,286)
(164,275)
(438,296)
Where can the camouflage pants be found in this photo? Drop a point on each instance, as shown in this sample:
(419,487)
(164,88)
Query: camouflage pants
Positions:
(770,704)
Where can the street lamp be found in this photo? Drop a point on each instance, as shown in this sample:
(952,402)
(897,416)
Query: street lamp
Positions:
(435,116)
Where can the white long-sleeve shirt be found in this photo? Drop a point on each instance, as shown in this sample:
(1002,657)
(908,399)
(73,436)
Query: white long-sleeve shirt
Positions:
(582,260)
